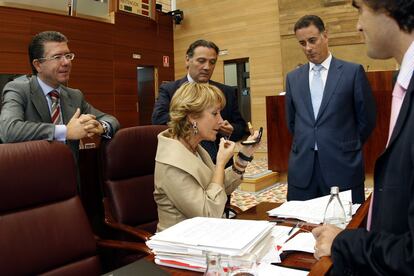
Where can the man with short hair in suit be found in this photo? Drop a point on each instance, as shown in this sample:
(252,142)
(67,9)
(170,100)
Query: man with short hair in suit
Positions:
(201,58)
(386,247)
(42,107)
(330,111)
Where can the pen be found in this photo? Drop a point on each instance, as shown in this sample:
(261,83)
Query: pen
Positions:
(277,220)
(293,228)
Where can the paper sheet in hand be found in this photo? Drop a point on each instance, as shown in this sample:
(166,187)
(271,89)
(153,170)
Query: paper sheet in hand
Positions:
(311,210)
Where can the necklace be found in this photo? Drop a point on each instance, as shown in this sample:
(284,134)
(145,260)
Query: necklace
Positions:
(188,146)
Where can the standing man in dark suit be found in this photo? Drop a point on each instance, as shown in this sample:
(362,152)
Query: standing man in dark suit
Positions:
(386,247)
(42,107)
(330,111)
(201,58)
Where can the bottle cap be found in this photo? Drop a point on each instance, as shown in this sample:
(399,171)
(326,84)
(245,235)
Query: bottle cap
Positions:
(334,190)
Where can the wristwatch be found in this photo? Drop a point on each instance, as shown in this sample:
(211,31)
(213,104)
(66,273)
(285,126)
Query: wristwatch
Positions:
(105,127)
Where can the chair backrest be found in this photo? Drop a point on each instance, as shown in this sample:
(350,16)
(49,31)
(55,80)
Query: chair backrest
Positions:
(43,227)
(128,166)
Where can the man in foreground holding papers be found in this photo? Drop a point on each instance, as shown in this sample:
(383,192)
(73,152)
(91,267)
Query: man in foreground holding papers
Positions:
(387,247)
(187,183)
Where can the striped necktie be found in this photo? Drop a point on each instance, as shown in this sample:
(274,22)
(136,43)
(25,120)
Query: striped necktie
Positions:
(55,109)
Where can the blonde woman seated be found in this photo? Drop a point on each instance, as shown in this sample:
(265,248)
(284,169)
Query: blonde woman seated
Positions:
(187,183)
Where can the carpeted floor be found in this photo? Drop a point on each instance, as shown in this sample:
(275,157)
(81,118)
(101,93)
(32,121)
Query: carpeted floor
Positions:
(275,193)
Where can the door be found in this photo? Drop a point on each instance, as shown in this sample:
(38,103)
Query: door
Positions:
(146,93)
(237,74)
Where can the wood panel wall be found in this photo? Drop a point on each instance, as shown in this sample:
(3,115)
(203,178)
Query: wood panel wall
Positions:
(340,21)
(166,5)
(263,32)
(103,67)
(247,29)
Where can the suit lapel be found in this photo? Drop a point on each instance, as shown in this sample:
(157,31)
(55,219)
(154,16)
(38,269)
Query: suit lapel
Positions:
(39,100)
(182,81)
(306,93)
(177,84)
(334,74)
(66,105)
(405,108)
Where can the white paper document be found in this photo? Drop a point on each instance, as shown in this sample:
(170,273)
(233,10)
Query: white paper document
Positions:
(185,244)
(312,210)
(216,232)
(301,242)
(225,236)
(280,233)
(274,270)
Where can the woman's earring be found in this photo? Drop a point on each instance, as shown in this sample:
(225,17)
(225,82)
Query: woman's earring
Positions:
(195,129)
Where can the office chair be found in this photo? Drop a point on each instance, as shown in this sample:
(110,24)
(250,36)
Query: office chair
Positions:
(128,169)
(43,226)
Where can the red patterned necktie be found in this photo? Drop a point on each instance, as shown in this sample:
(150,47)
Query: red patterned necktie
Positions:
(55,110)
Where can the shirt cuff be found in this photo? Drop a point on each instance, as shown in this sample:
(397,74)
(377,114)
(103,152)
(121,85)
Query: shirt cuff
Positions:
(60,133)
(108,133)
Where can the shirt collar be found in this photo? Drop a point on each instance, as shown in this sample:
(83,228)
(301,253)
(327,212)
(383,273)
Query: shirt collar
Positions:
(407,67)
(325,64)
(189,78)
(46,88)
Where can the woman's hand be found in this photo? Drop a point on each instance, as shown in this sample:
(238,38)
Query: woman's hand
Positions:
(225,152)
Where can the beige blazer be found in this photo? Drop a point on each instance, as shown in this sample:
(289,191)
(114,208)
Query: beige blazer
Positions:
(183,187)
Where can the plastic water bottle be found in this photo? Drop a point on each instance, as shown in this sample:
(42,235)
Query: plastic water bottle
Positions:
(334,212)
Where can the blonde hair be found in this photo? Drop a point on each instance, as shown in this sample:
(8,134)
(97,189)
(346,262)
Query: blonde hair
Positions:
(192,98)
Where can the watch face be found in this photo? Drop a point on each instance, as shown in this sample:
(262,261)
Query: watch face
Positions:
(105,127)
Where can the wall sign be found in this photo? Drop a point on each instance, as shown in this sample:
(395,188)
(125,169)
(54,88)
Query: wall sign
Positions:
(141,7)
(166,61)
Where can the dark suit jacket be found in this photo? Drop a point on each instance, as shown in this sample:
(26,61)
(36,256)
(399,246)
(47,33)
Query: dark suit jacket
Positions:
(345,120)
(388,249)
(25,113)
(231,113)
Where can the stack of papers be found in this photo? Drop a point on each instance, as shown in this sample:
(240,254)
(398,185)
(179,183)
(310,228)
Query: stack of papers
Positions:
(185,244)
(312,210)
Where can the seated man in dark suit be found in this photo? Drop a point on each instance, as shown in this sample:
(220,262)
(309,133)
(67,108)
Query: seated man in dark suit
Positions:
(201,58)
(42,107)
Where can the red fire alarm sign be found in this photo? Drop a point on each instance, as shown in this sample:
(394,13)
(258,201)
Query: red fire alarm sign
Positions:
(166,61)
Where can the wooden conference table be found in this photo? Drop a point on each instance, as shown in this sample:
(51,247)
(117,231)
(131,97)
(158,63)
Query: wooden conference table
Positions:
(300,260)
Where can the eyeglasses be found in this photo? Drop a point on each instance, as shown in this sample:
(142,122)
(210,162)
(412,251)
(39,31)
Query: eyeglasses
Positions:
(68,56)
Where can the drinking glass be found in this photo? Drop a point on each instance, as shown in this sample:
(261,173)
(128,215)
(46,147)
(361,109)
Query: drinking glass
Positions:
(214,267)
(245,265)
